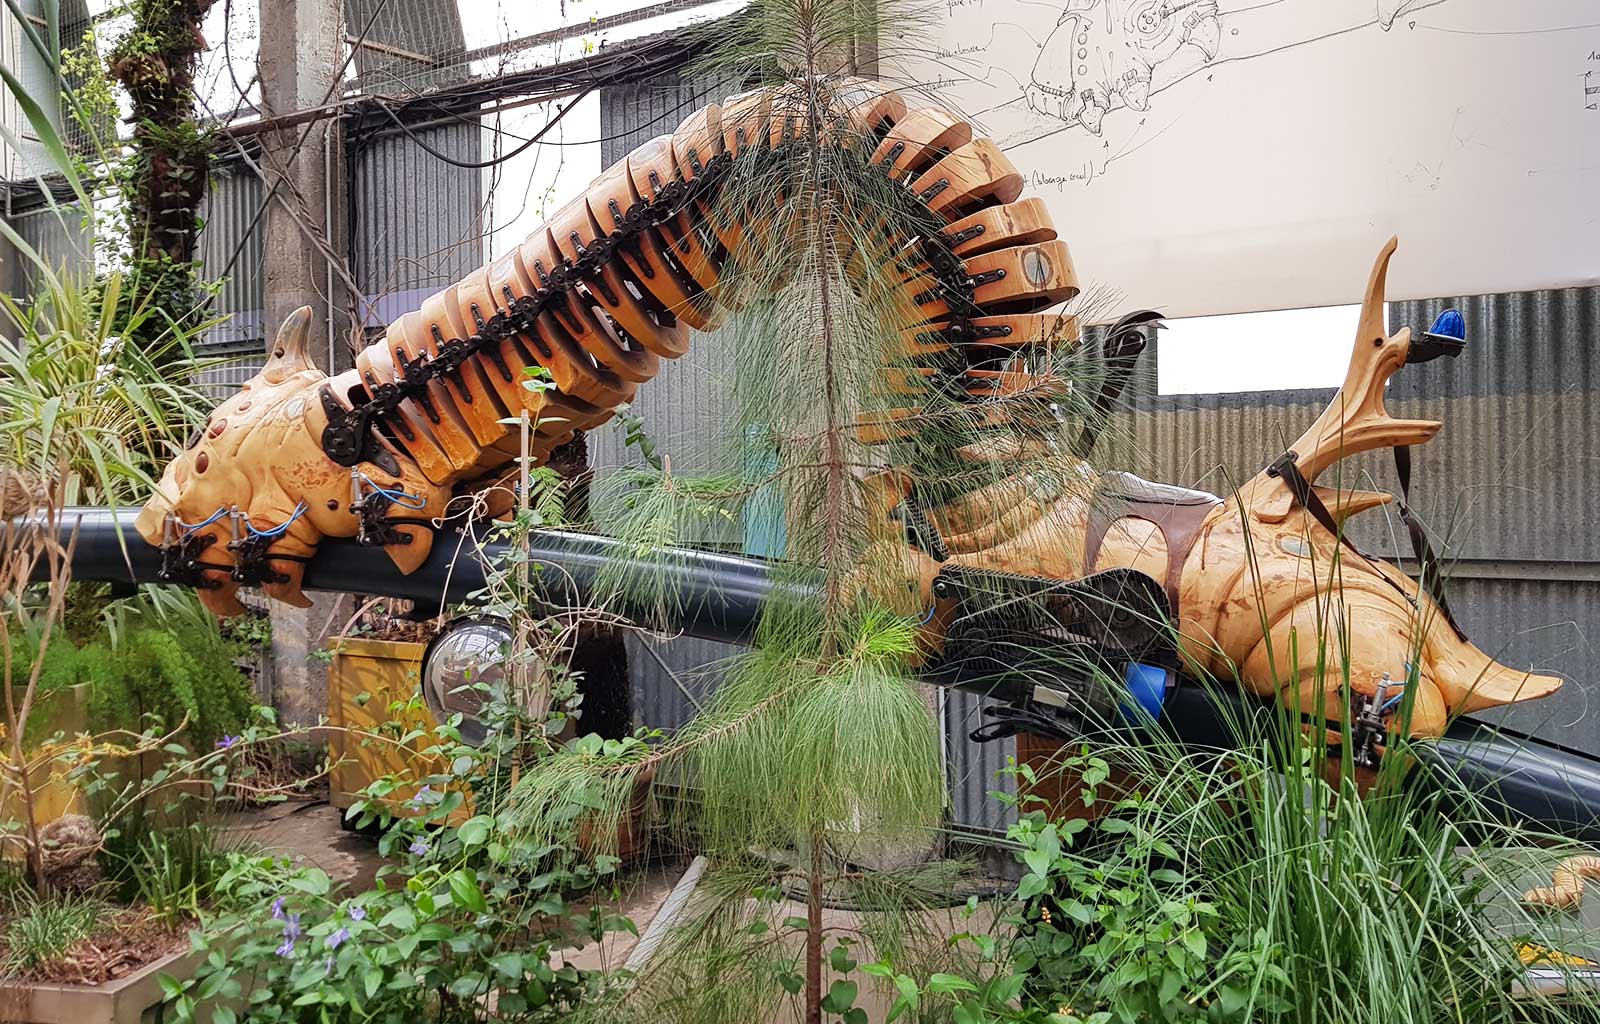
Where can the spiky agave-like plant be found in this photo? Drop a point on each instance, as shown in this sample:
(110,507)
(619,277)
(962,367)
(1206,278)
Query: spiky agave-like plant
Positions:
(820,732)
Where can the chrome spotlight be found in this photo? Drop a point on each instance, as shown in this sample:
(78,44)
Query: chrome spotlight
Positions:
(466,659)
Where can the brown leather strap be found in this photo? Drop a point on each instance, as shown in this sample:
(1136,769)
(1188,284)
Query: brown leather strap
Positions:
(1180,526)
(1428,570)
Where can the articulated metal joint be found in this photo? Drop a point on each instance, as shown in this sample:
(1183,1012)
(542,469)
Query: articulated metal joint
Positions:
(1281,464)
(920,531)
(372,506)
(252,566)
(1368,727)
(180,556)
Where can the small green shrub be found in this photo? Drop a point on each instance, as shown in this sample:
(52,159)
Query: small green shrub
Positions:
(155,672)
(470,917)
(170,862)
(43,929)
(153,659)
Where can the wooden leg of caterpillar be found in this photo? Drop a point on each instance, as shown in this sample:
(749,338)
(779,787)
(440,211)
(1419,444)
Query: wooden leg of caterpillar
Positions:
(459,312)
(651,168)
(628,335)
(920,140)
(574,371)
(645,274)
(975,175)
(1024,222)
(413,419)
(871,109)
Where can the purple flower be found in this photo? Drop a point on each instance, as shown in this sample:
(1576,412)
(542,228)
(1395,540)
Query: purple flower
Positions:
(277,909)
(337,938)
(226,742)
(287,949)
(419,849)
(415,803)
(358,913)
(291,928)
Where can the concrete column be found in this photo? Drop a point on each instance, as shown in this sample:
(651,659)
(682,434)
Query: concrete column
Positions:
(300,57)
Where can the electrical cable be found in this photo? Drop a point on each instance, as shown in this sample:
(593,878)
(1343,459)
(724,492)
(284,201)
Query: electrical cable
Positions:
(476,165)
(266,200)
(693,103)
(399,497)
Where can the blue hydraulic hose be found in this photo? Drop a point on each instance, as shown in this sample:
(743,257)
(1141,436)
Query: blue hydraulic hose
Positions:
(277,531)
(401,498)
(218,514)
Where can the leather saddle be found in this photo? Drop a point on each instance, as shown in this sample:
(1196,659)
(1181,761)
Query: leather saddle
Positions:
(1178,512)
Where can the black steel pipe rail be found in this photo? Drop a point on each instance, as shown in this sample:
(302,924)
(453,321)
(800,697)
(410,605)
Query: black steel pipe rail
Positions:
(718,597)
(721,597)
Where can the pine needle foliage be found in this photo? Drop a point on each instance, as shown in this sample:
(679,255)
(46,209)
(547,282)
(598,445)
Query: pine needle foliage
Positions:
(819,740)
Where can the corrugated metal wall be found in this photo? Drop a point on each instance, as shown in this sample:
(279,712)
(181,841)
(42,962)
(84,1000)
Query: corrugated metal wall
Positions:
(230,250)
(418,221)
(60,239)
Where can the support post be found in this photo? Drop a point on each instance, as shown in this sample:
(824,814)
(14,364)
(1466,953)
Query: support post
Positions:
(300,62)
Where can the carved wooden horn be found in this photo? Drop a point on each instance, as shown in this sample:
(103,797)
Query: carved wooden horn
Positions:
(1356,420)
(289,355)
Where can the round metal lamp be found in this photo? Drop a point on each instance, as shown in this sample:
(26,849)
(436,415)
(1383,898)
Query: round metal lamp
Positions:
(459,668)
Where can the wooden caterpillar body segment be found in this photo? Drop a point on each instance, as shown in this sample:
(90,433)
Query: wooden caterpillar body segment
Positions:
(573,320)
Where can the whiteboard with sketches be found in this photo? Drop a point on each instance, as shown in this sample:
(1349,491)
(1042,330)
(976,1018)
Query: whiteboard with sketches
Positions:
(1206,156)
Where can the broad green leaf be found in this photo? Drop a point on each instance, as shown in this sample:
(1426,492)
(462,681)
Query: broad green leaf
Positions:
(841,997)
(947,983)
(475,830)
(464,890)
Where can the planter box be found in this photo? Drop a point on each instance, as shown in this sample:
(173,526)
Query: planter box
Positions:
(364,679)
(136,999)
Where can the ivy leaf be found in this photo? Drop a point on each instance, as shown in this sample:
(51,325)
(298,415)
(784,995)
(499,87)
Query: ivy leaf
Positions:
(508,964)
(841,997)
(1031,886)
(475,830)
(400,918)
(314,882)
(464,890)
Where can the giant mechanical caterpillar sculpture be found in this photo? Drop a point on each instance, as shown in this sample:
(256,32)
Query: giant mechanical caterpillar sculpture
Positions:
(613,284)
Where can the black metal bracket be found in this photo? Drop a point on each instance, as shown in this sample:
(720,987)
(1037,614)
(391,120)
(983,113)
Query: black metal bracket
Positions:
(252,566)
(180,559)
(375,528)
